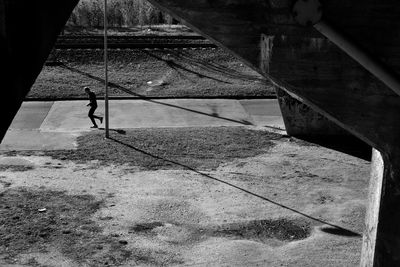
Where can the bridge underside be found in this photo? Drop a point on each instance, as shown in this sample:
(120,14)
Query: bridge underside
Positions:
(299,60)
(28,31)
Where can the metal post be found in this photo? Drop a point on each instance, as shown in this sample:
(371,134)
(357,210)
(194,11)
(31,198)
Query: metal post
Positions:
(309,13)
(373,65)
(106,70)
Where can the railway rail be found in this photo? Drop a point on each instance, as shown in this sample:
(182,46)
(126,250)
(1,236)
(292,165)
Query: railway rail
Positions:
(131,42)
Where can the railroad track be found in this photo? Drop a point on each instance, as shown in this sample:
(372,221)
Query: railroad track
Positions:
(96,42)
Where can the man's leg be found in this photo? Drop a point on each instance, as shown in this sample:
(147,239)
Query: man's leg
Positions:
(97,117)
(91,116)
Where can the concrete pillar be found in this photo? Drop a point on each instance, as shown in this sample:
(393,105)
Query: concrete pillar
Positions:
(372,216)
(302,121)
(381,241)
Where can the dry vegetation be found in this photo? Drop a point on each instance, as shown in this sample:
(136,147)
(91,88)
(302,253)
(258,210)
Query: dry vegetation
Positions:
(170,148)
(121,13)
(135,73)
(172,73)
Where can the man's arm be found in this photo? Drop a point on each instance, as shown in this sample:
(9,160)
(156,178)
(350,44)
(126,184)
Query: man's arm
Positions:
(90,99)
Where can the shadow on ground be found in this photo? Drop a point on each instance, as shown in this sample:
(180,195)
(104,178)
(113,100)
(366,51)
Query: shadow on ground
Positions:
(337,230)
(148,99)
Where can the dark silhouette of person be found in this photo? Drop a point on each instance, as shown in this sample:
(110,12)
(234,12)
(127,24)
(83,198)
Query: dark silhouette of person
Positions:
(93,107)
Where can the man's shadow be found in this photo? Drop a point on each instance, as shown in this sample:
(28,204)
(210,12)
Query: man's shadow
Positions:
(119,131)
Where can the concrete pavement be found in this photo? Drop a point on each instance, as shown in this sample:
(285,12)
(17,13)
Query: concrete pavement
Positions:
(56,125)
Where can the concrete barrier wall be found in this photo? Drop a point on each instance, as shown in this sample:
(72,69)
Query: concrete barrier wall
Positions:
(300,120)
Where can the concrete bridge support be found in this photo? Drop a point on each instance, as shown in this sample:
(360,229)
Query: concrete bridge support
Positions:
(316,72)
(302,121)
(381,242)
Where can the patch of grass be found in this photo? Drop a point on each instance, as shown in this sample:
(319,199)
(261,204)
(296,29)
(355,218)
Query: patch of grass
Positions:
(282,229)
(153,149)
(65,225)
(4,183)
(16,168)
(181,73)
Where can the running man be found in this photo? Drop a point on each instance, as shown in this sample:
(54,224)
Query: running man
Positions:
(93,107)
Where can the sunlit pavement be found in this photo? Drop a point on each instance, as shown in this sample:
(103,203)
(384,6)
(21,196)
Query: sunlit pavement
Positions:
(55,125)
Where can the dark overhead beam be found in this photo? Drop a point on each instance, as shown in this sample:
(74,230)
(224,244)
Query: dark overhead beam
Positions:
(28,31)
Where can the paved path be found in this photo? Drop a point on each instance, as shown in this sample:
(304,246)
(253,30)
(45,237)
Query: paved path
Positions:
(55,125)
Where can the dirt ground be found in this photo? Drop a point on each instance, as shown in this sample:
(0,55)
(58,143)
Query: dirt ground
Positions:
(294,204)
